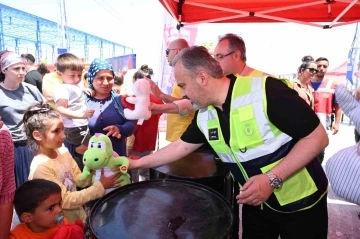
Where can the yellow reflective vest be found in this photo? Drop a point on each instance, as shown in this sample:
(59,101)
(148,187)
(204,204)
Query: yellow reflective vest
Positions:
(256,146)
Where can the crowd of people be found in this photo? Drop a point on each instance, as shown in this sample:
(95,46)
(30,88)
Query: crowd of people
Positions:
(218,104)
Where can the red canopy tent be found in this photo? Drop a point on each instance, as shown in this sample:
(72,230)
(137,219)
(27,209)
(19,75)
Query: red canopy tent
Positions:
(338,71)
(308,12)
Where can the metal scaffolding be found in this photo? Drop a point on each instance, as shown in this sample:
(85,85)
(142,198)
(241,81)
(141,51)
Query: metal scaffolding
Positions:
(22,32)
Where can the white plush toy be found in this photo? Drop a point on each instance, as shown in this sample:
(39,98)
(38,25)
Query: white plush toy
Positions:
(343,168)
(141,101)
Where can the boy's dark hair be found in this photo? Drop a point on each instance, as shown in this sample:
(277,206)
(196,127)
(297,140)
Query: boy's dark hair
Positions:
(30,58)
(42,69)
(307,58)
(118,79)
(31,193)
(68,61)
(322,59)
(37,117)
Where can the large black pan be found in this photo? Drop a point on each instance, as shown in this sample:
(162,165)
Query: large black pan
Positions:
(161,209)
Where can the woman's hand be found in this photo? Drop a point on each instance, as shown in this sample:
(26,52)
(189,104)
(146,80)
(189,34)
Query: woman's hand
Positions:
(113,131)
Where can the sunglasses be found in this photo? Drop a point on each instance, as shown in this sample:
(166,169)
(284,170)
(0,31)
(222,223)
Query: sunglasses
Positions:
(313,70)
(167,51)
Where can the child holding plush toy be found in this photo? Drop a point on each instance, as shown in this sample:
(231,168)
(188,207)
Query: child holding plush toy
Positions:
(45,129)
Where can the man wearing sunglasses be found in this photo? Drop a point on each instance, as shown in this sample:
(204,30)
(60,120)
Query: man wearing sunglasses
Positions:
(230,52)
(176,124)
(324,99)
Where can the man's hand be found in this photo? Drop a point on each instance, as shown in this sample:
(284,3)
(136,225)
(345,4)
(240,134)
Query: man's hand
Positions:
(335,128)
(113,131)
(255,191)
(154,88)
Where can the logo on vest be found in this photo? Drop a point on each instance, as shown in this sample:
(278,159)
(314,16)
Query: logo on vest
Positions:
(213,134)
(326,95)
(248,130)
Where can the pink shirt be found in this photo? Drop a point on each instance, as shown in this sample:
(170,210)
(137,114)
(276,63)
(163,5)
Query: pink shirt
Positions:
(7,178)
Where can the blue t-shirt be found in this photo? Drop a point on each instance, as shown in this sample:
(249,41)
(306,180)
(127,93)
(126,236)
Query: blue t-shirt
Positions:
(105,115)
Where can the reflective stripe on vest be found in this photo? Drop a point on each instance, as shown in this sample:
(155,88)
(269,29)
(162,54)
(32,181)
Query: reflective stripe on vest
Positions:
(255,125)
(256,145)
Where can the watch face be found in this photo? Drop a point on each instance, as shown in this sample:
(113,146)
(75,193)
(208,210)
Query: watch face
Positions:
(276,183)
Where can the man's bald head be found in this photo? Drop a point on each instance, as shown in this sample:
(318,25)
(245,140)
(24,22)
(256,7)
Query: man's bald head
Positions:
(179,44)
(174,48)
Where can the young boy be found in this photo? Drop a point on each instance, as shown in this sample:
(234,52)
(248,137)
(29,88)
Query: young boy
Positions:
(70,101)
(38,205)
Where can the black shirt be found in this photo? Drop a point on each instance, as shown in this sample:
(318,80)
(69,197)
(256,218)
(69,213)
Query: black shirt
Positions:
(34,77)
(285,109)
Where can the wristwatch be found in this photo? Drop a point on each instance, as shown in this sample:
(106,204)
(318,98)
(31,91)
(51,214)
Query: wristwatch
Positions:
(275,181)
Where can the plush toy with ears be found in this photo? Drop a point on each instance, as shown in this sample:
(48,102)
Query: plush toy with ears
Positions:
(141,101)
(100,155)
(343,168)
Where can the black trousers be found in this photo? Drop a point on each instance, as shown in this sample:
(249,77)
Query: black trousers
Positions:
(269,224)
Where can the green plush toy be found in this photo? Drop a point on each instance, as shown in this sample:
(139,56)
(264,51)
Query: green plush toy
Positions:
(100,155)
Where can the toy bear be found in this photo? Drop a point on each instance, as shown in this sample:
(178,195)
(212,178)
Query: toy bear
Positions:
(343,168)
(100,155)
(141,101)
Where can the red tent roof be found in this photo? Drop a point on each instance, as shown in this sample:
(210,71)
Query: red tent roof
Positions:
(334,13)
(338,71)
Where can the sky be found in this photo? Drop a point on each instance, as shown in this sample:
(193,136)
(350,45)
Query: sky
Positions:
(275,48)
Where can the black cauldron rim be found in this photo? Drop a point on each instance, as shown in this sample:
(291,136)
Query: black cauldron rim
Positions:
(128,187)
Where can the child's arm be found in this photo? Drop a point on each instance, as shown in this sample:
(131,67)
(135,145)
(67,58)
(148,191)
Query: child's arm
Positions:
(75,199)
(62,107)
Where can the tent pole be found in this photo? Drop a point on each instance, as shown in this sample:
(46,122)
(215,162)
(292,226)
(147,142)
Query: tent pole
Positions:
(343,12)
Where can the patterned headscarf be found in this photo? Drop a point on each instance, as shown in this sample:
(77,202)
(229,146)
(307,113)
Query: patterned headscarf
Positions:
(10,58)
(99,65)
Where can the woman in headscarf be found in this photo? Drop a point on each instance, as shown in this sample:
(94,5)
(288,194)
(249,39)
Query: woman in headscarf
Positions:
(109,112)
(16,96)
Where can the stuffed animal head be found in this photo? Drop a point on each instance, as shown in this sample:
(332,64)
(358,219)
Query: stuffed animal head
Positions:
(141,87)
(99,152)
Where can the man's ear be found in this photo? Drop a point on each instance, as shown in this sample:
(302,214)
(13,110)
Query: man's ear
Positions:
(37,135)
(58,73)
(26,217)
(203,78)
(237,54)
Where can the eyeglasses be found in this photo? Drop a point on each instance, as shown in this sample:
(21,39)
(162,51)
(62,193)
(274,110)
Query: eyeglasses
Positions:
(167,51)
(323,66)
(313,70)
(221,56)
